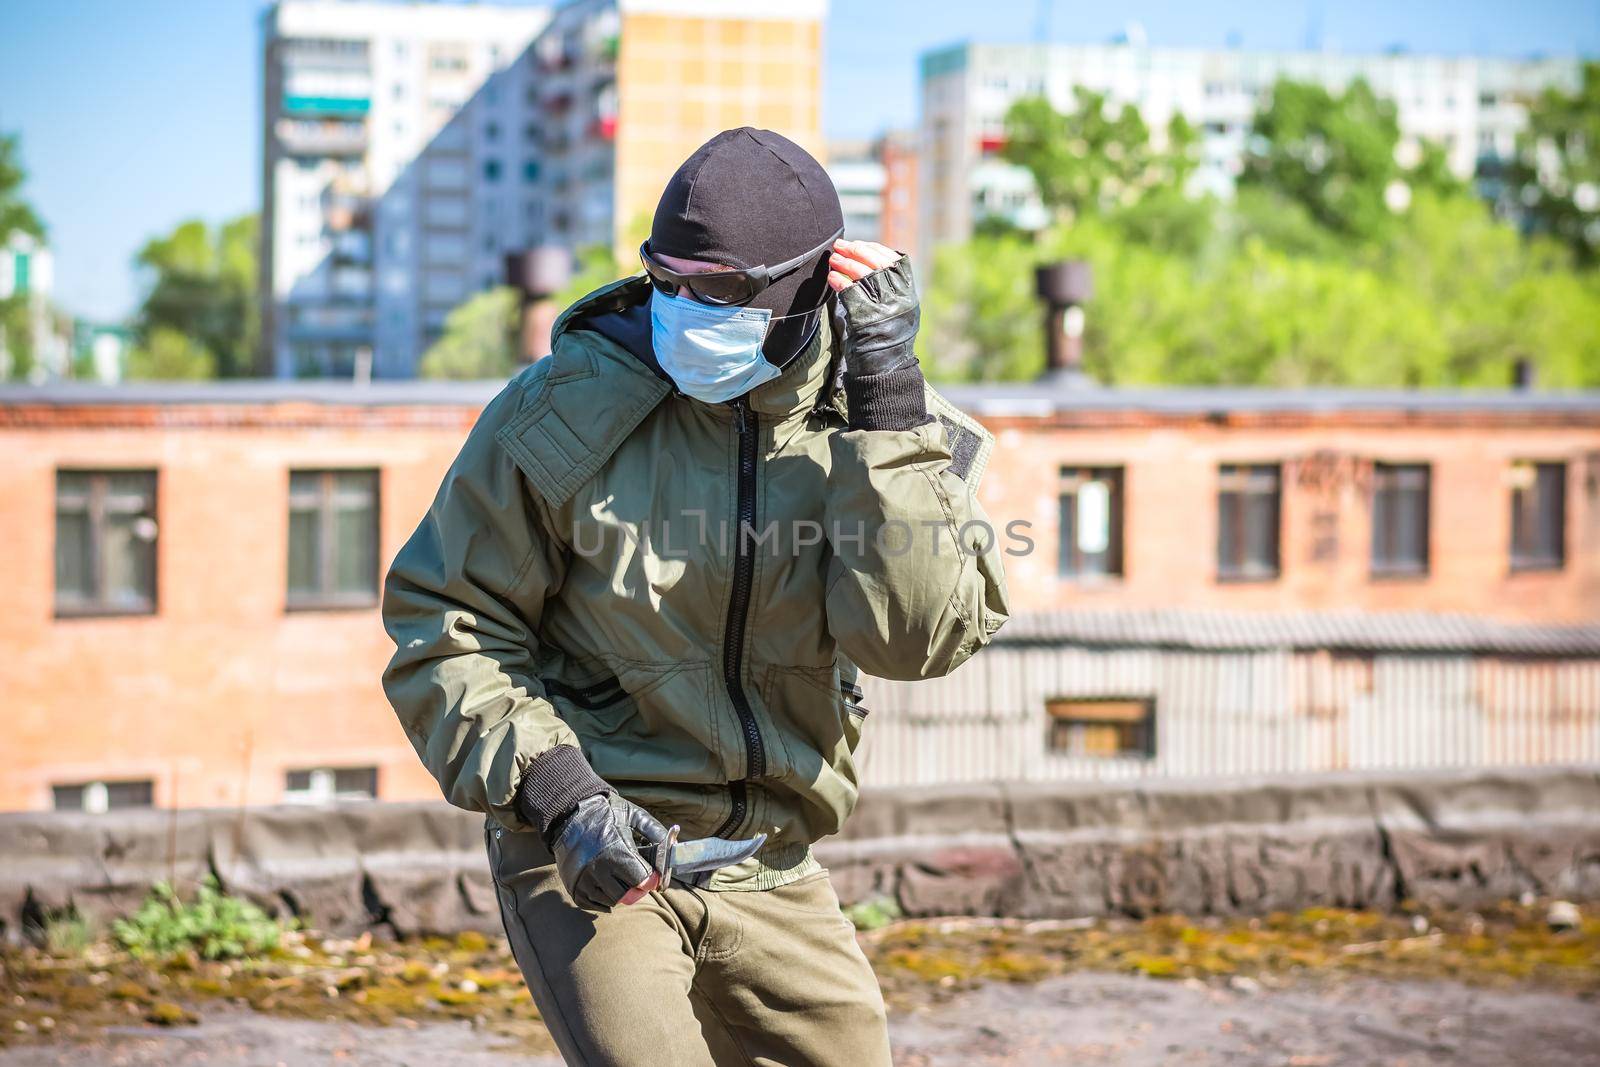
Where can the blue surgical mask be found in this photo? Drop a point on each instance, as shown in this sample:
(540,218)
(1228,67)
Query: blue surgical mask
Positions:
(712,353)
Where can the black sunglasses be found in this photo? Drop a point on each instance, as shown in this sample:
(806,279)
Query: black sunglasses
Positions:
(725,287)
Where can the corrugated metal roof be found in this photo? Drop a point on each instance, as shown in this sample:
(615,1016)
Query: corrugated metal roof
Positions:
(1335,631)
(1045,398)
(997,399)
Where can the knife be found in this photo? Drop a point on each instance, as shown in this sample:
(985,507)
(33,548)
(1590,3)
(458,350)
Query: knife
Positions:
(677,858)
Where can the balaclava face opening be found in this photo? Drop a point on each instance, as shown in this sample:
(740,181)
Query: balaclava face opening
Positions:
(750,198)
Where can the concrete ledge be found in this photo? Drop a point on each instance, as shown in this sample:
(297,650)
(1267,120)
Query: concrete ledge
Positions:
(1242,846)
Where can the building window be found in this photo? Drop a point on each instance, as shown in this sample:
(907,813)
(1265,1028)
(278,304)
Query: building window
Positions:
(1538,516)
(1248,506)
(1400,519)
(333,539)
(319,785)
(491,170)
(1091,522)
(97,797)
(105,542)
(1102,727)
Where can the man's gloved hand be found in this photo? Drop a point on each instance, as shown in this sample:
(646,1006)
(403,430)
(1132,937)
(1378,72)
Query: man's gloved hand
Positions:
(596,853)
(882,379)
(588,827)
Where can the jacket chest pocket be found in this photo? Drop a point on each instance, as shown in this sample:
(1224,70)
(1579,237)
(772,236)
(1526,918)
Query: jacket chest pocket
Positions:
(855,711)
(818,709)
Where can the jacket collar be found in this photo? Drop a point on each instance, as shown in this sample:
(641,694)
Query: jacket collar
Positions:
(798,387)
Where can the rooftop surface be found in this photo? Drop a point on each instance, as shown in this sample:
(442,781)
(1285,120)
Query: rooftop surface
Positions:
(1350,631)
(1012,399)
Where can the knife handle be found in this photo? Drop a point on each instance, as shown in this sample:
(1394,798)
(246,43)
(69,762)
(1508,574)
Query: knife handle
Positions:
(663,861)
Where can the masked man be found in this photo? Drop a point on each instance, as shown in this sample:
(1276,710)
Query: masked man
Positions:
(630,628)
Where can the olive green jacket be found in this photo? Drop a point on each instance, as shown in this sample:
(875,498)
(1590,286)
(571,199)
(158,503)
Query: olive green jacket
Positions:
(580,579)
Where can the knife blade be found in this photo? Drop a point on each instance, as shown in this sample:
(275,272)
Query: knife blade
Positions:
(673,857)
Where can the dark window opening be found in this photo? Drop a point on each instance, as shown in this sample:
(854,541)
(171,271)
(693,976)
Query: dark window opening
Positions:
(1248,510)
(1102,727)
(321,784)
(1400,494)
(333,539)
(105,542)
(1091,522)
(1538,516)
(97,797)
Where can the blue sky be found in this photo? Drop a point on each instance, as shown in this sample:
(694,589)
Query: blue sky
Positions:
(136,114)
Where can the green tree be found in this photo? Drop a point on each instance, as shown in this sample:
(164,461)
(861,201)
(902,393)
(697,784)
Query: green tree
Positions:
(480,339)
(1495,297)
(1454,298)
(1431,174)
(1085,160)
(1315,273)
(165,354)
(596,266)
(16,217)
(1332,154)
(981,320)
(1558,169)
(202,284)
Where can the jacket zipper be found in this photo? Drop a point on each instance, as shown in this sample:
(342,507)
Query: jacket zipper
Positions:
(749,428)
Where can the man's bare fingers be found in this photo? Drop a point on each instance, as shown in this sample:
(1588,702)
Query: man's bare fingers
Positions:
(642,890)
(854,269)
(838,282)
(873,254)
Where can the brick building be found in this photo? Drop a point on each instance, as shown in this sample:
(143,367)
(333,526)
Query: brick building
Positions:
(193,571)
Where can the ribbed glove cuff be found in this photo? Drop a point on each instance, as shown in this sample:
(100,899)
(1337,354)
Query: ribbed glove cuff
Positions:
(893,400)
(553,785)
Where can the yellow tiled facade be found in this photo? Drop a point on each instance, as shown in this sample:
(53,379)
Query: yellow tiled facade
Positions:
(682,78)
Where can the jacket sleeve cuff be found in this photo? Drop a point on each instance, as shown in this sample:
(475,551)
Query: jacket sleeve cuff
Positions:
(554,783)
(892,400)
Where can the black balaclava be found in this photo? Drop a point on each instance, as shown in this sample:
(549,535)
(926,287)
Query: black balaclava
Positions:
(752,198)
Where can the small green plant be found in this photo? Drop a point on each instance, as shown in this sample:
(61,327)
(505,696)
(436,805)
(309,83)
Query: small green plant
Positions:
(214,925)
(873,914)
(69,935)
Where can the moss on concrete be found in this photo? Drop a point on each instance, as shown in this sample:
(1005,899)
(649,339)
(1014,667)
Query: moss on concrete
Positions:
(48,994)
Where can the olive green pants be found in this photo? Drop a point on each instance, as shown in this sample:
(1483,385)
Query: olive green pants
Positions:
(688,977)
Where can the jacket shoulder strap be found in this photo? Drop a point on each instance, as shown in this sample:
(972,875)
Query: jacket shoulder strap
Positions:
(970,444)
(579,404)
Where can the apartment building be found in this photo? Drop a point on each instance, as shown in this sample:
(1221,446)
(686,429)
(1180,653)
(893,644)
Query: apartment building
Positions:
(411,148)
(193,575)
(630,87)
(860,178)
(387,152)
(1472,106)
(877,185)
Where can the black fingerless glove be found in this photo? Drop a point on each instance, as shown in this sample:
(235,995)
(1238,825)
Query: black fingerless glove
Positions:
(883,381)
(587,826)
(553,785)
(597,855)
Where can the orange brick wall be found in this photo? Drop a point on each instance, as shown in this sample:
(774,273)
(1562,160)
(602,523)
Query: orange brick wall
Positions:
(221,691)
(899,229)
(1170,485)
